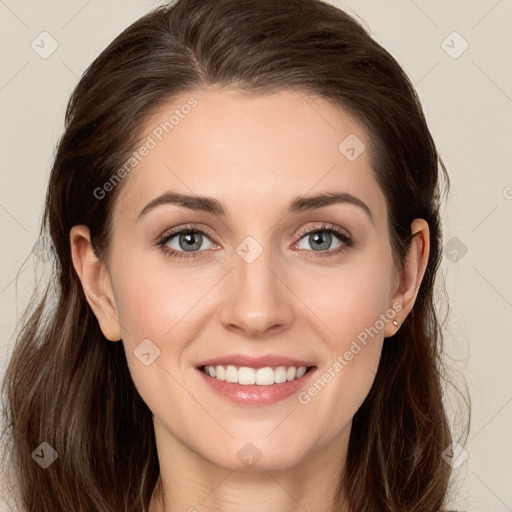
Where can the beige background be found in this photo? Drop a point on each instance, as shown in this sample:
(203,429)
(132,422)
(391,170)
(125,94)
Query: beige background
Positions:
(468,103)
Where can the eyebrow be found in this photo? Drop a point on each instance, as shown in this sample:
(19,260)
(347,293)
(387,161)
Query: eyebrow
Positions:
(213,206)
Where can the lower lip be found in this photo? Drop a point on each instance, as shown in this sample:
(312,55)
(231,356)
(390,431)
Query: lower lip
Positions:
(255,394)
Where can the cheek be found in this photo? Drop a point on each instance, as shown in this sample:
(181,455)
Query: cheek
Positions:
(157,309)
(350,297)
(351,310)
(152,300)
(351,305)
(162,304)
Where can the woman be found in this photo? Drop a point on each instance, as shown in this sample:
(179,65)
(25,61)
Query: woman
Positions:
(244,214)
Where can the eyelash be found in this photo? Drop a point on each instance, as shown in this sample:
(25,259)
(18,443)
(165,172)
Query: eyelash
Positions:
(346,240)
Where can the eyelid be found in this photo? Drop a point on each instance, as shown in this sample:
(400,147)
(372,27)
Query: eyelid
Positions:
(185,227)
(324,226)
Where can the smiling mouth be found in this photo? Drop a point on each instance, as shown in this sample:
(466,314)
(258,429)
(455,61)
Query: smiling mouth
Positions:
(264,376)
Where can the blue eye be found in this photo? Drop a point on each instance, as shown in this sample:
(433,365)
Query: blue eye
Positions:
(191,239)
(323,236)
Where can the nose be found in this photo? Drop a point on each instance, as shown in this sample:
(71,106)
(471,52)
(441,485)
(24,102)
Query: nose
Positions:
(258,298)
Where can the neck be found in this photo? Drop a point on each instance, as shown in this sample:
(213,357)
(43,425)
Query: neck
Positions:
(188,482)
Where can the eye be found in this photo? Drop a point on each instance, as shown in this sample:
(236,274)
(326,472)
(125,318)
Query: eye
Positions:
(321,238)
(183,242)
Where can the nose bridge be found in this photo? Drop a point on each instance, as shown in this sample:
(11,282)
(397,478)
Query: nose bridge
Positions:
(258,300)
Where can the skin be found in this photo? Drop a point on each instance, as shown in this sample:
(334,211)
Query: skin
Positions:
(254,154)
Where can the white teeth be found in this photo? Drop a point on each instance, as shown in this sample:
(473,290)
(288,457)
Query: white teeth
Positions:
(246,375)
(280,375)
(291,373)
(261,376)
(220,372)
(301,371)
(231,373)
(264,376)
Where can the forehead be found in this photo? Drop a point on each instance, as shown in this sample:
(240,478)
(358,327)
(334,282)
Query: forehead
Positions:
(250,151)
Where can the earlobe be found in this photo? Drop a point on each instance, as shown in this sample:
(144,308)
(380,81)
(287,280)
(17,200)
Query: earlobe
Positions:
(96,282)
(412,275)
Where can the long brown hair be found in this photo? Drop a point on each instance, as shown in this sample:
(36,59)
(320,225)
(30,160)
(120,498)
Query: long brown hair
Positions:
(68,386)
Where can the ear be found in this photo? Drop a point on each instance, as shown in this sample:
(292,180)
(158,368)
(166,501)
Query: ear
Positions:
(410,279)
(96,282)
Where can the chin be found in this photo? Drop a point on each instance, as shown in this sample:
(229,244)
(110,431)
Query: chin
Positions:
(253,456)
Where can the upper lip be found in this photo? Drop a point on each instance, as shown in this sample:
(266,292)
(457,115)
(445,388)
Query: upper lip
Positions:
(254,361)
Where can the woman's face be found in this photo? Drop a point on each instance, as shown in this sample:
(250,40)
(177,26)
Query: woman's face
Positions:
(266,280)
